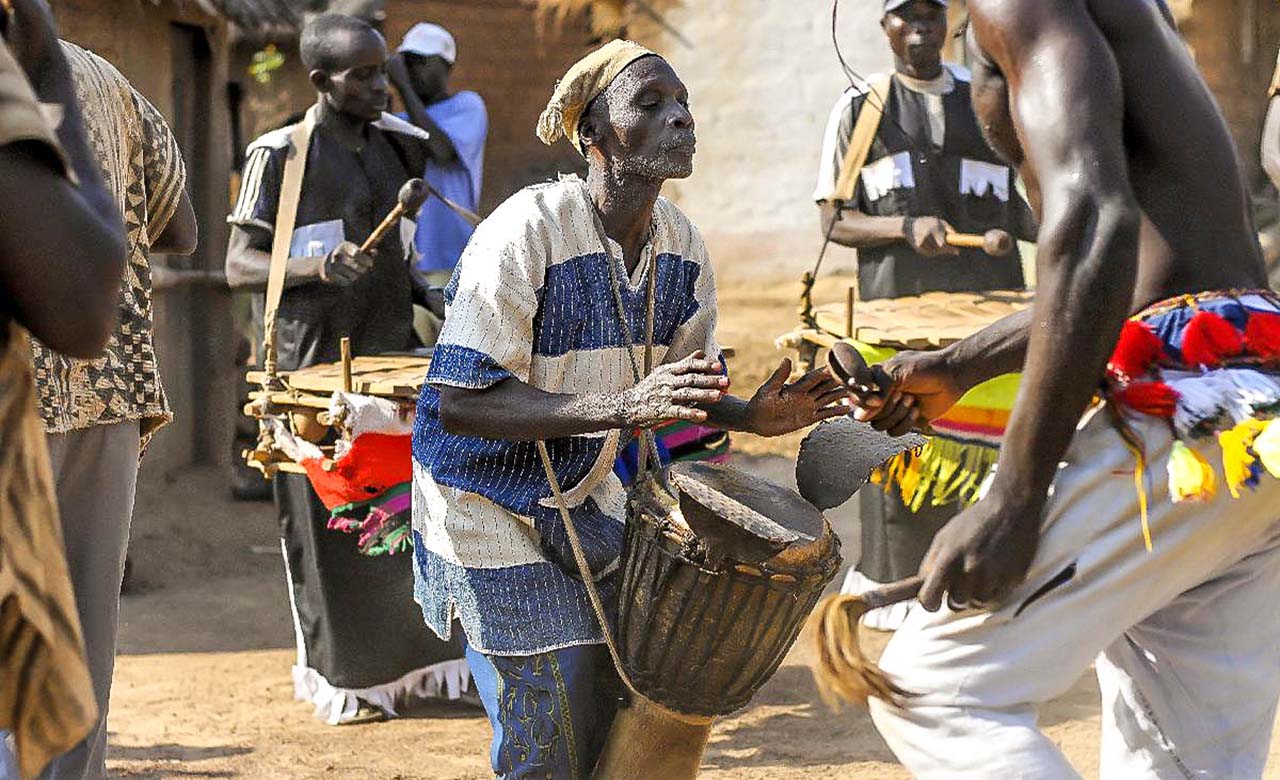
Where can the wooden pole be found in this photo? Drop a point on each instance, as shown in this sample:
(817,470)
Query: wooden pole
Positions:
(346,364)
(848,313)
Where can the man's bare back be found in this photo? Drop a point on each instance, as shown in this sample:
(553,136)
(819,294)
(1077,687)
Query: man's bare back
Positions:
(1133,174)
(1196,233)
(1076,554)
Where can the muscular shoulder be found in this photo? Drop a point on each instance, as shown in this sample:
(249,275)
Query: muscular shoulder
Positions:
(1013,24)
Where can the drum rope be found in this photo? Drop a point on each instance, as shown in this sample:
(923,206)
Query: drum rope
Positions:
(647,442)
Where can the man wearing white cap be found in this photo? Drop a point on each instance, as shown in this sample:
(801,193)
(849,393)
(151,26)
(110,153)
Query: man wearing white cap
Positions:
(924,172)
(458,125)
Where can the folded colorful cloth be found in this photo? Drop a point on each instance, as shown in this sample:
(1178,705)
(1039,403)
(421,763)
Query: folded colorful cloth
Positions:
(383,523)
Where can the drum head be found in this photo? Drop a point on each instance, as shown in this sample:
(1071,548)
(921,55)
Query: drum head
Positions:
(742,516)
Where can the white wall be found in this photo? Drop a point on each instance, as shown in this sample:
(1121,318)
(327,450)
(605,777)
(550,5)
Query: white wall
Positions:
(762,77)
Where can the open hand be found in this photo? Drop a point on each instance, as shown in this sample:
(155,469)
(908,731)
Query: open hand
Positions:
(345,264)
(983,553)
(911,390)
(672,392)
(778,407)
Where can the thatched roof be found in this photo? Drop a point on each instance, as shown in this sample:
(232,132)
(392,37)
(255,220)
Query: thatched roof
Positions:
(283,19)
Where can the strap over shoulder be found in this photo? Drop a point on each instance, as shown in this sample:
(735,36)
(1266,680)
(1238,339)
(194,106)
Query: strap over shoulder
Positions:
(295,166)
(864,134)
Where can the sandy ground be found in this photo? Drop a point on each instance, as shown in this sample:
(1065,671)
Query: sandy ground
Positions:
(202,682)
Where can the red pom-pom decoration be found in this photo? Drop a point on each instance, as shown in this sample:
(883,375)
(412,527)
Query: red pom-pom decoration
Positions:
(1153,398)
(1209,339)
(1136,351)
(1262,335)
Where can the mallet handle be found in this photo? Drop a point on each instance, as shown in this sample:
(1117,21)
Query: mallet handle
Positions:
(894,592)
(966,240)
(380,231)
(469,216)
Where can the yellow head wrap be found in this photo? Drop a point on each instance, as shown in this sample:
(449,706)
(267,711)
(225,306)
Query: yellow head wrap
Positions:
(588,77)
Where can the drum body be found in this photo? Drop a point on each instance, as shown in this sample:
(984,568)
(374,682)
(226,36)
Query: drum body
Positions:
(700,632)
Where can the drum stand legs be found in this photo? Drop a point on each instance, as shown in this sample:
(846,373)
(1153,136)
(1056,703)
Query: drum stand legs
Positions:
(647,741)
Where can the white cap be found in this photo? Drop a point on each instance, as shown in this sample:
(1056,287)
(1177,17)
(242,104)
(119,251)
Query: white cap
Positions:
(891,5)
(430,40)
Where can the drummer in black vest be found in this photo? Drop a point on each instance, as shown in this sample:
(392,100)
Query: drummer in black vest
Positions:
(923,172)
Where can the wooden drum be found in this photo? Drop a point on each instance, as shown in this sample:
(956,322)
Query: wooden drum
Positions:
(720,570)
(712,598)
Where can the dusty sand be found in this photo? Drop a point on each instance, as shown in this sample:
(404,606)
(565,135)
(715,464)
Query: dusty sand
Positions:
(202,682)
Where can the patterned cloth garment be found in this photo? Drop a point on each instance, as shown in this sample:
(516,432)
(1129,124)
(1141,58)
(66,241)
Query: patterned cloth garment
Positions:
(531,300)
(550,712)
(143,167)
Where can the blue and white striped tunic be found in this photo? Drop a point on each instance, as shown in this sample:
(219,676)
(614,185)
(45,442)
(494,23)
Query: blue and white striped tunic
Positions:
(530,299)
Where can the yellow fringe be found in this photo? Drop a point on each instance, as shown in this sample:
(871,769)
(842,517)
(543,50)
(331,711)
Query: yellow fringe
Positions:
(1134,445)
(1139,482)
(941,472)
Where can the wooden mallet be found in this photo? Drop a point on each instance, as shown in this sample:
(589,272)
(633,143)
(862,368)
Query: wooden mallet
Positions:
(412,195)
(996,243)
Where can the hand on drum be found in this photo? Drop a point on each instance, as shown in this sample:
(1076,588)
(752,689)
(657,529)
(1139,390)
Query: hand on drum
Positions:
(672,392)
(909,390)
(778,407)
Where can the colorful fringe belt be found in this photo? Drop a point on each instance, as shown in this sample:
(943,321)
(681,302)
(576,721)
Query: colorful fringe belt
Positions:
(1210,365)
(366,484)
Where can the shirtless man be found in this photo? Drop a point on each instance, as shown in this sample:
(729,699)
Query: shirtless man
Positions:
(1068,559)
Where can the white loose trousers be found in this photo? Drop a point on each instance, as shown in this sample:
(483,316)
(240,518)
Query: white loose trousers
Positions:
(1186,637)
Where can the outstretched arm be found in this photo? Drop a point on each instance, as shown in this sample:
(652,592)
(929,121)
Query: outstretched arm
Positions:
(920,387)
(1067,101)
(854,229)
